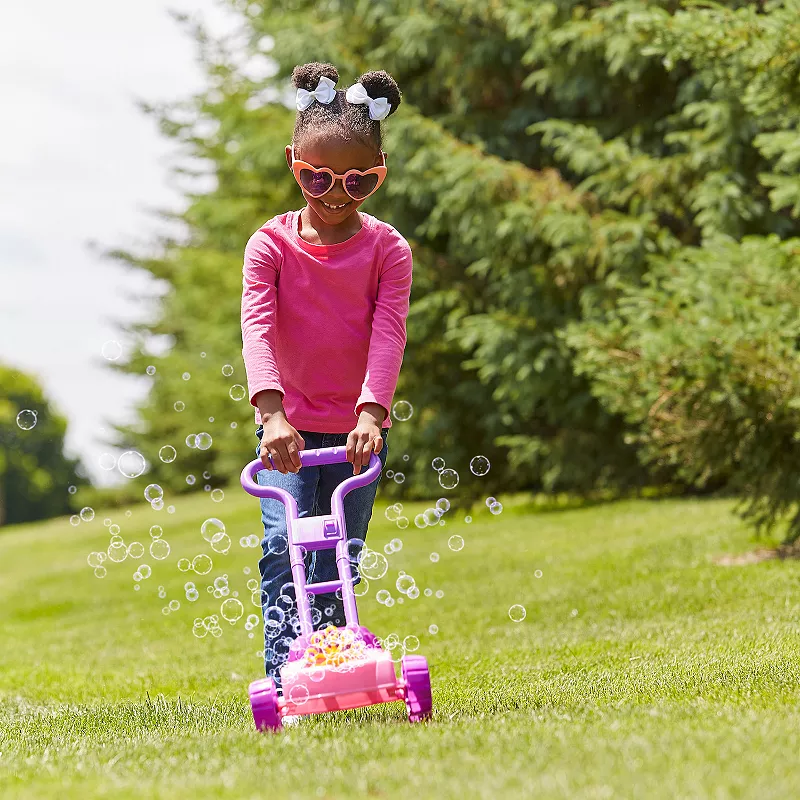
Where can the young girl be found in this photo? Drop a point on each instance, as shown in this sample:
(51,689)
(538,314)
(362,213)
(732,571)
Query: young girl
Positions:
(324,305)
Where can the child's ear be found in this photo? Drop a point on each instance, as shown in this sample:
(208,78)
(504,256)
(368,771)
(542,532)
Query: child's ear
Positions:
(289,155)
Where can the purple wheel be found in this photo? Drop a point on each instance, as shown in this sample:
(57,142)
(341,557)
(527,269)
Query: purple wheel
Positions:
(416,687)
(264,702)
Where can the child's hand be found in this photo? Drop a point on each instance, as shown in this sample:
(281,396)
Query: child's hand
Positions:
(365,437)
(281,441)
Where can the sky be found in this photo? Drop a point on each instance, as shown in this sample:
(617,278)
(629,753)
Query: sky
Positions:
(80,163)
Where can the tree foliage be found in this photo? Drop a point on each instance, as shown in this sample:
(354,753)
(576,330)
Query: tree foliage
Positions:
(578,182)
(34,472)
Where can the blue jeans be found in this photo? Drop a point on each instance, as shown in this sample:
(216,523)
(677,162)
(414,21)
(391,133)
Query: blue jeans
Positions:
(312,488)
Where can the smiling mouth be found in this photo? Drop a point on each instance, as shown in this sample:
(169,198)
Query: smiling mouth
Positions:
(334,208)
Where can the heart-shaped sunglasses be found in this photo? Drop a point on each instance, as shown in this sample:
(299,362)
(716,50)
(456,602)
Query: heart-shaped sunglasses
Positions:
(318,181)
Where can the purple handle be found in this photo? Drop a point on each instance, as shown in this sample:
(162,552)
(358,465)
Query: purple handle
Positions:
(309,458)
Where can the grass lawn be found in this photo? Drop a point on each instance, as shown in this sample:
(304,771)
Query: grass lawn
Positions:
(642,669)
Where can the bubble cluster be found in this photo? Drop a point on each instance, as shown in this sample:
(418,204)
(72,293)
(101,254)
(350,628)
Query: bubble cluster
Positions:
(333,647)
(202,626)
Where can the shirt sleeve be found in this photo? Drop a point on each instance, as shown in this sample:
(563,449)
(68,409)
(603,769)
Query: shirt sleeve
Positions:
(388,338)
(259,313)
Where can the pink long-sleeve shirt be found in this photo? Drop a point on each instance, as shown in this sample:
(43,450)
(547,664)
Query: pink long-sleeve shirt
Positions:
(325,325)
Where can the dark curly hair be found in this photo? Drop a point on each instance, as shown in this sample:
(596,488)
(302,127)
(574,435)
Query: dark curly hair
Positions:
(341,118)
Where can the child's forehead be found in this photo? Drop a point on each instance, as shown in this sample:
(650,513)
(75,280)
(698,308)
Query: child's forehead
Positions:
(336,154)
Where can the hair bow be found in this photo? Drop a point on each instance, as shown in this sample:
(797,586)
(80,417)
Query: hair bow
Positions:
(379,107)
(324,93)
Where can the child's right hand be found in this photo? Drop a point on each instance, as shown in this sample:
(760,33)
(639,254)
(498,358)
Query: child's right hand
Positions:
(281,441)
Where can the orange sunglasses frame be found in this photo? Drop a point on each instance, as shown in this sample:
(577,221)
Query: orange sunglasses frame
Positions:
(298,165)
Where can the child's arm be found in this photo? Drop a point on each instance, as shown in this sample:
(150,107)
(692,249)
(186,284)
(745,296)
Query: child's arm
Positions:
(259,308)
(388,338)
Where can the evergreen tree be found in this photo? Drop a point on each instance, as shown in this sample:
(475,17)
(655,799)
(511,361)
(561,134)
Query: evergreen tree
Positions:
(553,165)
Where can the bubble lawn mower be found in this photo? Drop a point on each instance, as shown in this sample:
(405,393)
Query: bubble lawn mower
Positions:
(339,668)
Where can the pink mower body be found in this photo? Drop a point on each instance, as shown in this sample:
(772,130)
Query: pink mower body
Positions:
(354,682)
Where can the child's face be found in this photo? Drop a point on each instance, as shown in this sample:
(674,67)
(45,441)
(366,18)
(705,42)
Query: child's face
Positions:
(338,156)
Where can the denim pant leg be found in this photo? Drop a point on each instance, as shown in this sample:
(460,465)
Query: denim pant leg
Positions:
(274,566)
(357,513)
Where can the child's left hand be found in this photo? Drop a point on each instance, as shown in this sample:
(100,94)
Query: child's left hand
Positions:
(361,441)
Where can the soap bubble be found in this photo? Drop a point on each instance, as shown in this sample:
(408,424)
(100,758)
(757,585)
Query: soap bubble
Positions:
(221,543)
(517,613)
(157,505)
(399,477)
(217,495)
(299,694)
(402,410)
(135,549)
(443,504)
(490,501)
(231,610)
(202,564)
(354,548)
(100,572)
(145,571)
(410,644)
(203,441)
(192,595)
(438,464)
(413,593)
(211,527)
(537,573)
(131,464)
(190,479)
(87,514)
(392,512)
(153,492)
(402,522)
(404,582)
(479,465)
(113,529)
(433,629)
(186,376)
(117,553)
(361,588)
(107,462)
(26,419)
(383,595)
(468,519)
(496,508)
(227,370)
(174,605)
(439,593)
(420,521)
(111,350)
(372,565)
(448,479)
(191,440)
(159,549)
(184,565)
(455,543)
(179,405)
(434,557)
(151,370)
(277,544)
(237,392)
(156,531)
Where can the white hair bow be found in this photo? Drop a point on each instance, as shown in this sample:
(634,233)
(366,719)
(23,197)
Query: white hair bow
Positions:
(324,93)
(379,107)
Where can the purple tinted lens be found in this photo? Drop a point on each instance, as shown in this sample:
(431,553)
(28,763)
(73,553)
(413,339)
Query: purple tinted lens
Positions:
(315,183)
(359,186)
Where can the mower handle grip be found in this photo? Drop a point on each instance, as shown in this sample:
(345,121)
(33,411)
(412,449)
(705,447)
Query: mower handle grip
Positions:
(311,458)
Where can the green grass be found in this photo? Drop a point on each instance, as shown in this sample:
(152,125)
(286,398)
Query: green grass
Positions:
(642,668)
